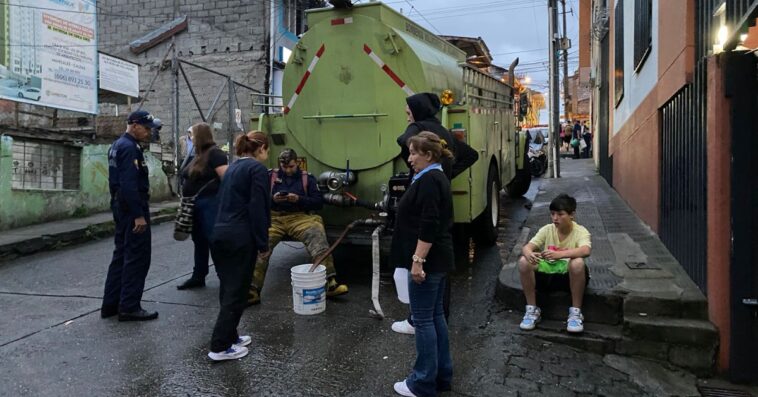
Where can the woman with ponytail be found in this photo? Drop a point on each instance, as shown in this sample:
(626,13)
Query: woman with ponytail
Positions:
(423,244)
(202,177)
(240,234)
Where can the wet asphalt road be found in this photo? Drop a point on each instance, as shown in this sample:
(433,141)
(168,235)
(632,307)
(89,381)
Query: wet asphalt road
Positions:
(54,343)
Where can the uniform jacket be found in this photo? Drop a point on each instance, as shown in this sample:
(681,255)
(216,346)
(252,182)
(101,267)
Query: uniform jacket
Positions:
(128,176)
(244,214)
(313,201)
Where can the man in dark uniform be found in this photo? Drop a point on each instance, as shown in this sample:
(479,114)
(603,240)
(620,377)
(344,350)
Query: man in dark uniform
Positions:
(129,187)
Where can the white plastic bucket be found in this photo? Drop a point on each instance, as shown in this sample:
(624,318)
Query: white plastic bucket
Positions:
(308,289)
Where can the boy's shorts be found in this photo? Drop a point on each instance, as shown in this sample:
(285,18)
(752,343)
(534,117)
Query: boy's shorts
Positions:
(557,281)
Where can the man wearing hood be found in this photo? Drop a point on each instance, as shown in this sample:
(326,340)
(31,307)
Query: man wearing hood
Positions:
(421,110)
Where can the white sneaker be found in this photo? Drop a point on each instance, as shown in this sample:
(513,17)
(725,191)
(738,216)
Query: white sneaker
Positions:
(243,340)
(232,353)
(403,327)
(575,322)
(532,316)
(402,389)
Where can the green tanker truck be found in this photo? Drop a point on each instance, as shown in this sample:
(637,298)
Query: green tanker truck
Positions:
(344,90)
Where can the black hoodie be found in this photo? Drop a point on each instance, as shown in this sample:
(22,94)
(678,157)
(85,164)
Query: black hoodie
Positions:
(424,107)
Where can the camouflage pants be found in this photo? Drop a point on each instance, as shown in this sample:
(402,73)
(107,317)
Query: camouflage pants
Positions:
(306,228)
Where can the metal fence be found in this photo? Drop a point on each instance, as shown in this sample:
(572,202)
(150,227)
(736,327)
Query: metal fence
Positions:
(38,165)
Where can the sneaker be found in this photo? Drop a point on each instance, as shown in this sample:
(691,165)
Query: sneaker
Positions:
(575,322)
(232,353)
(531,318)
(243,341)
(333,288)
(403,327)
(253,296)
(402,389)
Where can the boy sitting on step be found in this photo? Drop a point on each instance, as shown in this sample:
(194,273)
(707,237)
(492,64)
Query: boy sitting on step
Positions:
(554,260)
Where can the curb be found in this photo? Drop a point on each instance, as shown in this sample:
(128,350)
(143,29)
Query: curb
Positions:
(57,241)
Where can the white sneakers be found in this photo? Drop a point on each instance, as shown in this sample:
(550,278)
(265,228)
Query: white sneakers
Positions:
(575,322)
(532,316)
(232,353)
(402,389)
(403,327)
(237,350)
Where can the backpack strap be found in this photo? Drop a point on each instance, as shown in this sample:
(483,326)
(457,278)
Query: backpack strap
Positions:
(304,176)
(272,178)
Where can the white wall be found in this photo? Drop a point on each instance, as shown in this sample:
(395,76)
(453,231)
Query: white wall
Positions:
(637,85)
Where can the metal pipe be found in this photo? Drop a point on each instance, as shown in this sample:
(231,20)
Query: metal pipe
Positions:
(344,116)
(511,75)
(376,262)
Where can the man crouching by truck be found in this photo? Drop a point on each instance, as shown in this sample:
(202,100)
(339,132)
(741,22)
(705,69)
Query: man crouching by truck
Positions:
(295,196)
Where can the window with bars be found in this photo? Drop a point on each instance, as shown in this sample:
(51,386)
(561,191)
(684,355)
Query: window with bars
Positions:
(643,31)
(618,52)
(45,166)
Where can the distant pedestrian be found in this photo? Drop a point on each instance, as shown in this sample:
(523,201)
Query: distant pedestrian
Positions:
(576,134)
(587,137)
(566,136)
(423,243)
(240,234)
(554,260)
(202,178)
(130,193)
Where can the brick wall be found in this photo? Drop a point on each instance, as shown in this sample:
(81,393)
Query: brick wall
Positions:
(228,36)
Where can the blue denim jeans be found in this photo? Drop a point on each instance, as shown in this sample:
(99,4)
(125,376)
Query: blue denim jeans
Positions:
(433,369)
(206,208)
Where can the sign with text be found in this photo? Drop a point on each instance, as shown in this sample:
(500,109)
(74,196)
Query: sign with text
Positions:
(118,75)
(49,53)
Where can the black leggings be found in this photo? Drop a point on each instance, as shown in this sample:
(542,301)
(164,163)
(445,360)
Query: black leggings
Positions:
(445,303)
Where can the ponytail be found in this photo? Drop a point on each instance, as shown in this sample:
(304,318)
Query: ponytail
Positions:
(429,142)
(249,143)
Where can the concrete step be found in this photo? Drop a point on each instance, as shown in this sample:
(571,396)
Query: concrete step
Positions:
(671,330)
(599,306)
(597,338)
(696,308)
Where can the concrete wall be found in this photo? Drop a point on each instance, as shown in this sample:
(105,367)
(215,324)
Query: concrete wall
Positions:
(227,36)
(637,85)
(25,207)
(635,124)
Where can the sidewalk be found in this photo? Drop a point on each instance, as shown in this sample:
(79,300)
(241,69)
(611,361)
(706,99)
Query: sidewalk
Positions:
(639,301)
(53,235)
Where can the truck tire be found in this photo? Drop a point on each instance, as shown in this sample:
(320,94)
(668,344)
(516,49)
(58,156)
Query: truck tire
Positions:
(519,185)
(485,225)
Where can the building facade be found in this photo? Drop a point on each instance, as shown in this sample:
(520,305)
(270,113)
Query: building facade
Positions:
(671,80)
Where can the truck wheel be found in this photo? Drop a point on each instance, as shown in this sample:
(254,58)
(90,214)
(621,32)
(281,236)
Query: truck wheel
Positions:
(519,185)
(485,225)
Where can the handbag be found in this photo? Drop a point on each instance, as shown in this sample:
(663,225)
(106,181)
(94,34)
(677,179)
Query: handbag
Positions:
(184,215)
(574,142)
(582,144)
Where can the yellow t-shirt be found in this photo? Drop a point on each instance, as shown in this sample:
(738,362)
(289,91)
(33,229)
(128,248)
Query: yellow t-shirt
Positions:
(547,237)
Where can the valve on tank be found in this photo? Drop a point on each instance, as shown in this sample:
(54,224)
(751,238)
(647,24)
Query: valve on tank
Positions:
(334,180)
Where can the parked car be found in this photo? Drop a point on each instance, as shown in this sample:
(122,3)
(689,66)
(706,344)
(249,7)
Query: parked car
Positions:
(29,93)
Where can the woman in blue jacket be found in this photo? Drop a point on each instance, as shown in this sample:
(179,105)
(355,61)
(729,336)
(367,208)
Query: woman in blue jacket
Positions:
(239,235)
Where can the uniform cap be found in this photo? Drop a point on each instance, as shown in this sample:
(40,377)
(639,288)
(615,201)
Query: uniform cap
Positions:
(143,118)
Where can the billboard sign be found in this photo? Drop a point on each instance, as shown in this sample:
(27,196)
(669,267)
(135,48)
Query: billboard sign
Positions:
(118,75)
(48,53)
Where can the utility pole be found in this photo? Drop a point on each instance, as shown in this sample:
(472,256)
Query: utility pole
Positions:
(175,84)
(565,46)
(554,89)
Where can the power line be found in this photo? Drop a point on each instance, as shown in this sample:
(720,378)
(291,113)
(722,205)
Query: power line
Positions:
(422,16)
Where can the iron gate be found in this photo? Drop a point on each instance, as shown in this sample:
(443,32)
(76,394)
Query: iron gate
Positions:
(683,216)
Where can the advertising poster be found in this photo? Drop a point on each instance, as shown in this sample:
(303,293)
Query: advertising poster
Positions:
(118,75)
(48,53)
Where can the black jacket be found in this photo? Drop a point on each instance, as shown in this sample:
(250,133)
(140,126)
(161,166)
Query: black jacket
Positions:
(128,176)
(244,208)
(424,107)
(425,213)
